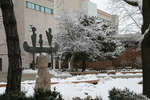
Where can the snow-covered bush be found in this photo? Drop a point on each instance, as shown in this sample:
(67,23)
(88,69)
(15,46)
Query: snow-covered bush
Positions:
(117,94)
(48,95)
(90,37)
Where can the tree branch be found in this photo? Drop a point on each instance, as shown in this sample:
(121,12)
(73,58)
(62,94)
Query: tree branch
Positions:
(131,2)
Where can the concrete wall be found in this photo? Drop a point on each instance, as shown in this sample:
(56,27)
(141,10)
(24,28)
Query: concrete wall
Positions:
(88,8)
(4,62)
(115,21)
(20,26)
(112,18)
(104,15)
(26,17)
(69,7)
(19,12)
(41,21)
(92,9)
(63,9)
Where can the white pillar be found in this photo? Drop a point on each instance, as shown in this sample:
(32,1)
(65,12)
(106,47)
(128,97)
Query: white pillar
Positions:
(59,63)
(54,62)
(69,66)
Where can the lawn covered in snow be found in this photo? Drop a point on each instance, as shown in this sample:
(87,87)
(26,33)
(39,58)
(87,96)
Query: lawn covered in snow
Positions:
(70,90)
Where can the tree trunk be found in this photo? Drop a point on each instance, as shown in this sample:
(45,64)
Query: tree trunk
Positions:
(54,62)
(146,48)
(83,65)
(72,62)
(146,64)
(14,53)
(59,63)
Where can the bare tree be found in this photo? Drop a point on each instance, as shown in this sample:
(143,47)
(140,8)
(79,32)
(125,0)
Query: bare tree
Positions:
(14,53)
(145,43)
(130,21)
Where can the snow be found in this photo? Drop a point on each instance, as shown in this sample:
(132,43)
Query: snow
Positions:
(70,90)
(29,71)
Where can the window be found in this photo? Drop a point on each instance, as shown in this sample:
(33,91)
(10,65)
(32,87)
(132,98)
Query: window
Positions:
(30,5)
(37,7)
(47,10)
(42,9)
(30,28)
(0,64)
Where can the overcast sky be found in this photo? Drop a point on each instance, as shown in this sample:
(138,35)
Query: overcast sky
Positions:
(101,4)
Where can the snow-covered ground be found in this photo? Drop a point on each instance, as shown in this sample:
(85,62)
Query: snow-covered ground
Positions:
(70,90)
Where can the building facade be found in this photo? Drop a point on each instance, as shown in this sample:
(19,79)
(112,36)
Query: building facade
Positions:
(44,14)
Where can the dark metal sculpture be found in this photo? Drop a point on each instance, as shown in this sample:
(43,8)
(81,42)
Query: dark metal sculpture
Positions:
(34,49)
(49,36)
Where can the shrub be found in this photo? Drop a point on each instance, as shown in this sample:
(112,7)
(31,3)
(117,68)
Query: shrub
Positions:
(38,95)
(14,96)
(87,98)
(116,94)
(48,95)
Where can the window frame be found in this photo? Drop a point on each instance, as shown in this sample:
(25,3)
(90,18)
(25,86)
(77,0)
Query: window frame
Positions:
(40,8)
(47,10)
(37,7)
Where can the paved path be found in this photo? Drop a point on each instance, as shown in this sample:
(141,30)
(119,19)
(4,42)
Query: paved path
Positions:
(3,77)
(32,76)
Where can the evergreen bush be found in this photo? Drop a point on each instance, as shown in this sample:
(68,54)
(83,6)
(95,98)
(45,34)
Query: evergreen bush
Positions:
(48,95)
(117,94)
(38,95)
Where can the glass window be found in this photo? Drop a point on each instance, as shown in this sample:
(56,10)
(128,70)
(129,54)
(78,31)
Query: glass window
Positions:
(42,9)
(47,10)
(28,5)
(99,20)
(33,5)
(30,28)
(52,11)
(37,7)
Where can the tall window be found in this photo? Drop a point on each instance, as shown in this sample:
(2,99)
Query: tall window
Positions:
(47,10)
(42,9)
(37,7)
(30,5)
(30,28)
